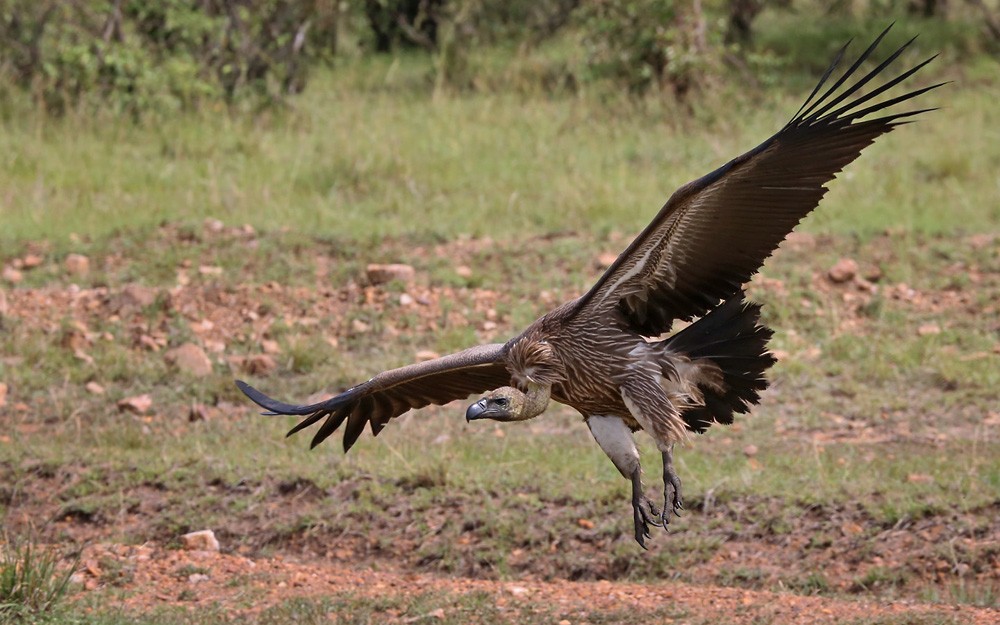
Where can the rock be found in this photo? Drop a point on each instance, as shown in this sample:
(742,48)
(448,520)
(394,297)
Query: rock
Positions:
(138,404)
(750,451)
(259,364)
(214,225)
(203,540)
(463,271)
(189,358)
(405,299)
(31,261)
(586,524)
(380,274)
(606,259)
(3,394)
(77,264)
(843,270)
(360,326)
(196,578)
(270,347)
(94,388)
(426,354)
(12,275)
(137,296)
(928,329)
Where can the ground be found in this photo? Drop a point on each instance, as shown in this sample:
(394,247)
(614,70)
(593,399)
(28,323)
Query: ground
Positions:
(835,502)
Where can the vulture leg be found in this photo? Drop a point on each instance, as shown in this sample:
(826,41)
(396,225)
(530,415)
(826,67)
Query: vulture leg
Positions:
(671,488)
(644,513)
(615,438)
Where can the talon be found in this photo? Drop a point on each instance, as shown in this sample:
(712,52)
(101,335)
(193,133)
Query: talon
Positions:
(671,490)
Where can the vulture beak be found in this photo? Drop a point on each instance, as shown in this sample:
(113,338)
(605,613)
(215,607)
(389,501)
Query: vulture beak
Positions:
(476,410)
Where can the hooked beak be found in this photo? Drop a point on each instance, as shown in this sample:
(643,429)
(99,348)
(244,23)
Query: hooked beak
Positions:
(476,410)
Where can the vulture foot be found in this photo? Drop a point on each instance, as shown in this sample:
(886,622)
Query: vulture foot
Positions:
(644,513)
(671,490)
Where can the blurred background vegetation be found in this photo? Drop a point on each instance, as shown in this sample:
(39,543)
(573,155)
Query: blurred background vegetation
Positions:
(139,57)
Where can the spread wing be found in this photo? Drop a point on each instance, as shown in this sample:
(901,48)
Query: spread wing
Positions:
(714,233)
(391,393)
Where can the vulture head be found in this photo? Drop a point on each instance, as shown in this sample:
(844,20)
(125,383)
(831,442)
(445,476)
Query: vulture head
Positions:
(505,404)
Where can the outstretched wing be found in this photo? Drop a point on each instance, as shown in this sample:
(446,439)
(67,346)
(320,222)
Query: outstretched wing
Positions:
(714,233)
(391,393)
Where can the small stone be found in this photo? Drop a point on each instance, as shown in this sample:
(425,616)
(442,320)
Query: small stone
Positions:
(12,275)
(31,261)
(214,225)
(586,524)
(426,354)
(405,299)
(203,540)
(3,394)
(565,622)
(210,270)
(259,364)
(94,388)
(189,358)
(489,326)
(843,270)
(606,259)
(270,347)
(928,329)
(381,274)
(919,478)
(77,264)
(463,271)
(196,578)
(137,296)
(360,326)
(138,404)
(750,451)
(438,614)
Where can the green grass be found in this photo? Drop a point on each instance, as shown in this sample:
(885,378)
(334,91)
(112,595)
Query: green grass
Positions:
(32,583)
(526,190)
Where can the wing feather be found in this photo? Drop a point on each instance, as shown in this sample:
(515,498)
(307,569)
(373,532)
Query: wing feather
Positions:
(394,392)
(714,233)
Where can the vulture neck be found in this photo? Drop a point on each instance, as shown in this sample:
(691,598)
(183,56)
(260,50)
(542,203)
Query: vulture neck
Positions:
(536,400)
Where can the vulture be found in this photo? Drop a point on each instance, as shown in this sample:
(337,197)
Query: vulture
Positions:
(608,353)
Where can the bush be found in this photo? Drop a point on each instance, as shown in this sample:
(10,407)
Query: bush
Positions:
(646,43)
(138,55)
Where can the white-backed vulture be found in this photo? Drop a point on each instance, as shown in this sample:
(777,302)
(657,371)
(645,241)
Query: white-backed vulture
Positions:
(602,353)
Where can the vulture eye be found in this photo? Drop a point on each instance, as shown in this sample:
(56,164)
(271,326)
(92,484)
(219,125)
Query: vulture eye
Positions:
(501,401)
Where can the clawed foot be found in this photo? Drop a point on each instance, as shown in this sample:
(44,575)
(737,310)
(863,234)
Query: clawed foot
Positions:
(644,514)
(671,490)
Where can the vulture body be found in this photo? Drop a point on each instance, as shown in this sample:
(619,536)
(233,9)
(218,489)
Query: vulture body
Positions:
(602,354)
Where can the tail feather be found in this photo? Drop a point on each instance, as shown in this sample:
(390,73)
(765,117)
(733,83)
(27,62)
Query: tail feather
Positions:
(731,337)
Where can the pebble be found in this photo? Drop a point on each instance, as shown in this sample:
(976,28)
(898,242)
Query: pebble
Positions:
(843,270)
(202,540)
(138,404)
(12,275)
(380,274)
(189,358)
(77,264)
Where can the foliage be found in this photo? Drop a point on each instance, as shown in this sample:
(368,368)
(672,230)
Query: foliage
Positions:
(646,43)
(137,56)
(30,580)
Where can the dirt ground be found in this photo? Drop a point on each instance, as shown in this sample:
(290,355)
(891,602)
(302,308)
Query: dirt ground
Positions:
(258,560)
(153,580)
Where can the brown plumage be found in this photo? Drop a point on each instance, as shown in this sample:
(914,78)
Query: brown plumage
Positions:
(602,354)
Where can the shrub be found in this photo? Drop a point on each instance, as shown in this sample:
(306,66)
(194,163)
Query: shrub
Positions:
(138,55)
